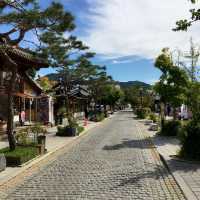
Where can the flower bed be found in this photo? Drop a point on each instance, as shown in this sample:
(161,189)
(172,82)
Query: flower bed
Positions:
(20,155)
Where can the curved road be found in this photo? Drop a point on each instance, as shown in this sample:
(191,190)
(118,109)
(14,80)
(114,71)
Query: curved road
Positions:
(114,161)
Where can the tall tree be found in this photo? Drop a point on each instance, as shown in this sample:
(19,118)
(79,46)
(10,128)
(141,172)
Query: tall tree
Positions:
(72,62)
(22,17)
(111,95)
(173,83)
(184,24)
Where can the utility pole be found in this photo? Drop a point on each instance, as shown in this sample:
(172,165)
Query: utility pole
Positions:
(193,55)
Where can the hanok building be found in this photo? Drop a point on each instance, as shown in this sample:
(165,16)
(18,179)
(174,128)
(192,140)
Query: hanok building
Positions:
(28,96)
(78,100)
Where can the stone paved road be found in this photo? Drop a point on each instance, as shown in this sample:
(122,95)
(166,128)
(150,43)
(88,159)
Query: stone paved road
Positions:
(114,161)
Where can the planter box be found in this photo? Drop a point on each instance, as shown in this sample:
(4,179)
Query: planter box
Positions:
(13,161)
(19,156)
(71,131)
(67,132)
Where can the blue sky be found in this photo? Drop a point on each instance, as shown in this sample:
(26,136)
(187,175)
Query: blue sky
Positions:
(122,68)
(127,35)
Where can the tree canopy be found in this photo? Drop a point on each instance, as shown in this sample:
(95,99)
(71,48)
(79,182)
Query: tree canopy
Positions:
(184,24)
(22,20)
(173,80)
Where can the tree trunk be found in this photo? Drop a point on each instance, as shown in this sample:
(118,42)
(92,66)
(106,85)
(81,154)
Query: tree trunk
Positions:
(10,123)
(162,113)
(70,117)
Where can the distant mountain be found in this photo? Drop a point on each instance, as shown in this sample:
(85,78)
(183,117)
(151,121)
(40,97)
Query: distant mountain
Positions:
(55,77)
(134,83)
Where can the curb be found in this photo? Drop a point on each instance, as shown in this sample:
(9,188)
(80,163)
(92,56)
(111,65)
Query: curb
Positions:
(179,180)
(185,189)
(187,192)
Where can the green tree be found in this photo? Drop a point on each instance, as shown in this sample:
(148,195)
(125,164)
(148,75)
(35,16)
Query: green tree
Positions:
(98,83)
(173,83)
(138,97)
(21,18)
(45,83)
(111,95)
(73,63)
(184,24)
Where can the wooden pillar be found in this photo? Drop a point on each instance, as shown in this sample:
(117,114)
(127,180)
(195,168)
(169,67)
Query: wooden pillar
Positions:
(36,110)
(30,103)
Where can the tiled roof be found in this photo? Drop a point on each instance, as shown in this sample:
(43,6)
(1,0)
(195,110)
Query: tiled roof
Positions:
(25,56)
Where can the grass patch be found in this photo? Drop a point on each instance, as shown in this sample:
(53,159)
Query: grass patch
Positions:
(20,155)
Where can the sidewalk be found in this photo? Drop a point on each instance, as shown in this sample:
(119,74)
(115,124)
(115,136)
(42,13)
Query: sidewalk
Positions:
(53,144)
(186,173)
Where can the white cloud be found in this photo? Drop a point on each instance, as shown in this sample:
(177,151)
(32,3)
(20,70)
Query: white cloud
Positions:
(121,61)
(153,81)
(137,28)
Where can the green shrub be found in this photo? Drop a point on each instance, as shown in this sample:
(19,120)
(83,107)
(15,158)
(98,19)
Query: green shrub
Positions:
(171,128)
(22,137)
(20,155)
(142,113)
(28,135)
(100,117)
(190,140)
(153,117)
(68,131)
(72,123)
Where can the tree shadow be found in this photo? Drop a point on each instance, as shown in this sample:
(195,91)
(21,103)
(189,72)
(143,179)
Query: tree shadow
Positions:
(180,165)
(137,178)
(127,143)
(184,166)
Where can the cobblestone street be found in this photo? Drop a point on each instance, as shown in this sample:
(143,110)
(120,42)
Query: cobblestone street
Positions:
(114,161)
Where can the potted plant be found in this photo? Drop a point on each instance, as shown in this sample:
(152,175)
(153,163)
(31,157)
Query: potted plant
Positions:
(70,129)
(72,125)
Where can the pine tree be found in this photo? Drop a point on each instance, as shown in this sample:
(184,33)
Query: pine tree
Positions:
(21,18)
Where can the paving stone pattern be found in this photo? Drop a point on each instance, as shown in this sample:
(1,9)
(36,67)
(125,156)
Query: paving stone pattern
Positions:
(114,161)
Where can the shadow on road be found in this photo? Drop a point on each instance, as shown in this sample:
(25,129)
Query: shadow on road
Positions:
(126,143)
